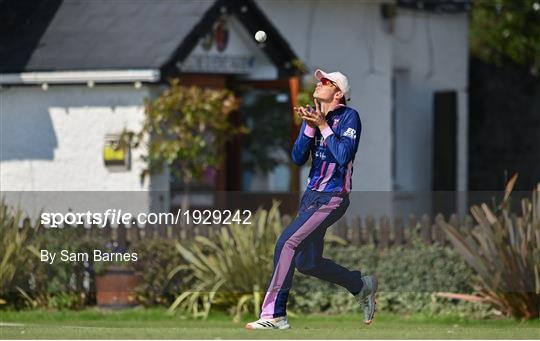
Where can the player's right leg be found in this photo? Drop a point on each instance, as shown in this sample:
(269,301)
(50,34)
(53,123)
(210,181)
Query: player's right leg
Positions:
(366,297)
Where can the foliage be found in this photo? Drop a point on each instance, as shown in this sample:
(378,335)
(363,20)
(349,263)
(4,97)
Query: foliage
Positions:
(504,31)
(428,268)
(59,285)
(187,127)
(231,271)
(13,253)
(25,279)
(106,245)
(408,278)
(503,249)
(305,95)
(157,258)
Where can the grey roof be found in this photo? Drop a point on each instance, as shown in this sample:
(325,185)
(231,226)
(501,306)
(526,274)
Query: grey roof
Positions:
(118,34)
(51,35)
(115,34)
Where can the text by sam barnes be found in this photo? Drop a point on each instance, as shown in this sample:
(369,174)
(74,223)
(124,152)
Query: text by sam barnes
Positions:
(96,256)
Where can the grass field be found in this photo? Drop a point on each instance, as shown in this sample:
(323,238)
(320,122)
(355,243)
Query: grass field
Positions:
(156,324)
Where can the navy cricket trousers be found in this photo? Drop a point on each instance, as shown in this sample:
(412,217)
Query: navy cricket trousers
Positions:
(301,245)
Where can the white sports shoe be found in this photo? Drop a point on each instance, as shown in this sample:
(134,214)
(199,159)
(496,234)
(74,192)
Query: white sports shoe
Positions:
(275,323)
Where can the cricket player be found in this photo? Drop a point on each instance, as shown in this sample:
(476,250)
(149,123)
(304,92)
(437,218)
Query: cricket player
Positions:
(329,133)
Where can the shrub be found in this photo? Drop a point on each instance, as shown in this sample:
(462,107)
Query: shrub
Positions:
(13,253)
(187,127)
(60,285)
(24,279)
(157,258)
(503,249)
(231,271)
(408,277)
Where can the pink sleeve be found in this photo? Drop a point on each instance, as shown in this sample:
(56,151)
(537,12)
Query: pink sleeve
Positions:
(309,131)
(327,131)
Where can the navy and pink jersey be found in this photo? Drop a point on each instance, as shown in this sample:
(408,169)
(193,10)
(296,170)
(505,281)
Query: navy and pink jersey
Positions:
(332,150)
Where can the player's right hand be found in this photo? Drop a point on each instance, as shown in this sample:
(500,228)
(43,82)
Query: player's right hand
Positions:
(302,112)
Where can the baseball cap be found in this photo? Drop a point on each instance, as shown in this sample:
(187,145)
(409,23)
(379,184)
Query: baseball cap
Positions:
(337,77)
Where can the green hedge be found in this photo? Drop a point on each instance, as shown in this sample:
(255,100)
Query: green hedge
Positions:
(408,277)
(60,285)
(157,258)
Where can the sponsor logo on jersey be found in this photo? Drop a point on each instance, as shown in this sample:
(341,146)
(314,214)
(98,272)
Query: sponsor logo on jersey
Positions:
(319,141)
(350,132)
(320,154)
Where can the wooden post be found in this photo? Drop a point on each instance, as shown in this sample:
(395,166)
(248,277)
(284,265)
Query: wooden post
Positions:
(468,224)
(356,235)
(370,230)
(182,234)
(294,89)
(384,232)
(342,228)
(440,235)
(161,230)
(177,229)
(425,223)
(113,233)
(413,226)
(142,231)
(398,231)
(121,229)
(133,232)
(454,221)
(190,230)
(155,232)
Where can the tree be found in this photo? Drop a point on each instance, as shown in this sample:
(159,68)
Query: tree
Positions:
(187,127)
(507,31)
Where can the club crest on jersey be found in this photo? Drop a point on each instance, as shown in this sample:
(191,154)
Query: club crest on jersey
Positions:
(350,132)
(335,123)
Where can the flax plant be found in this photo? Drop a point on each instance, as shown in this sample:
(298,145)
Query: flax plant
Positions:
(13,252)
(504,251)
(231,269)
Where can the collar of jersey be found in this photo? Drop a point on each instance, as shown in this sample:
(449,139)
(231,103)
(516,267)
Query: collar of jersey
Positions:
(337,109)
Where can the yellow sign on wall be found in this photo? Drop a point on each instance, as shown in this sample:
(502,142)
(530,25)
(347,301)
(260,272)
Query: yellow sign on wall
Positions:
(113,153)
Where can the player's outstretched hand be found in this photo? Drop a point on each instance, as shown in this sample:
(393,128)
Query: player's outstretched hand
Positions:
(315,117)
(303,113)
